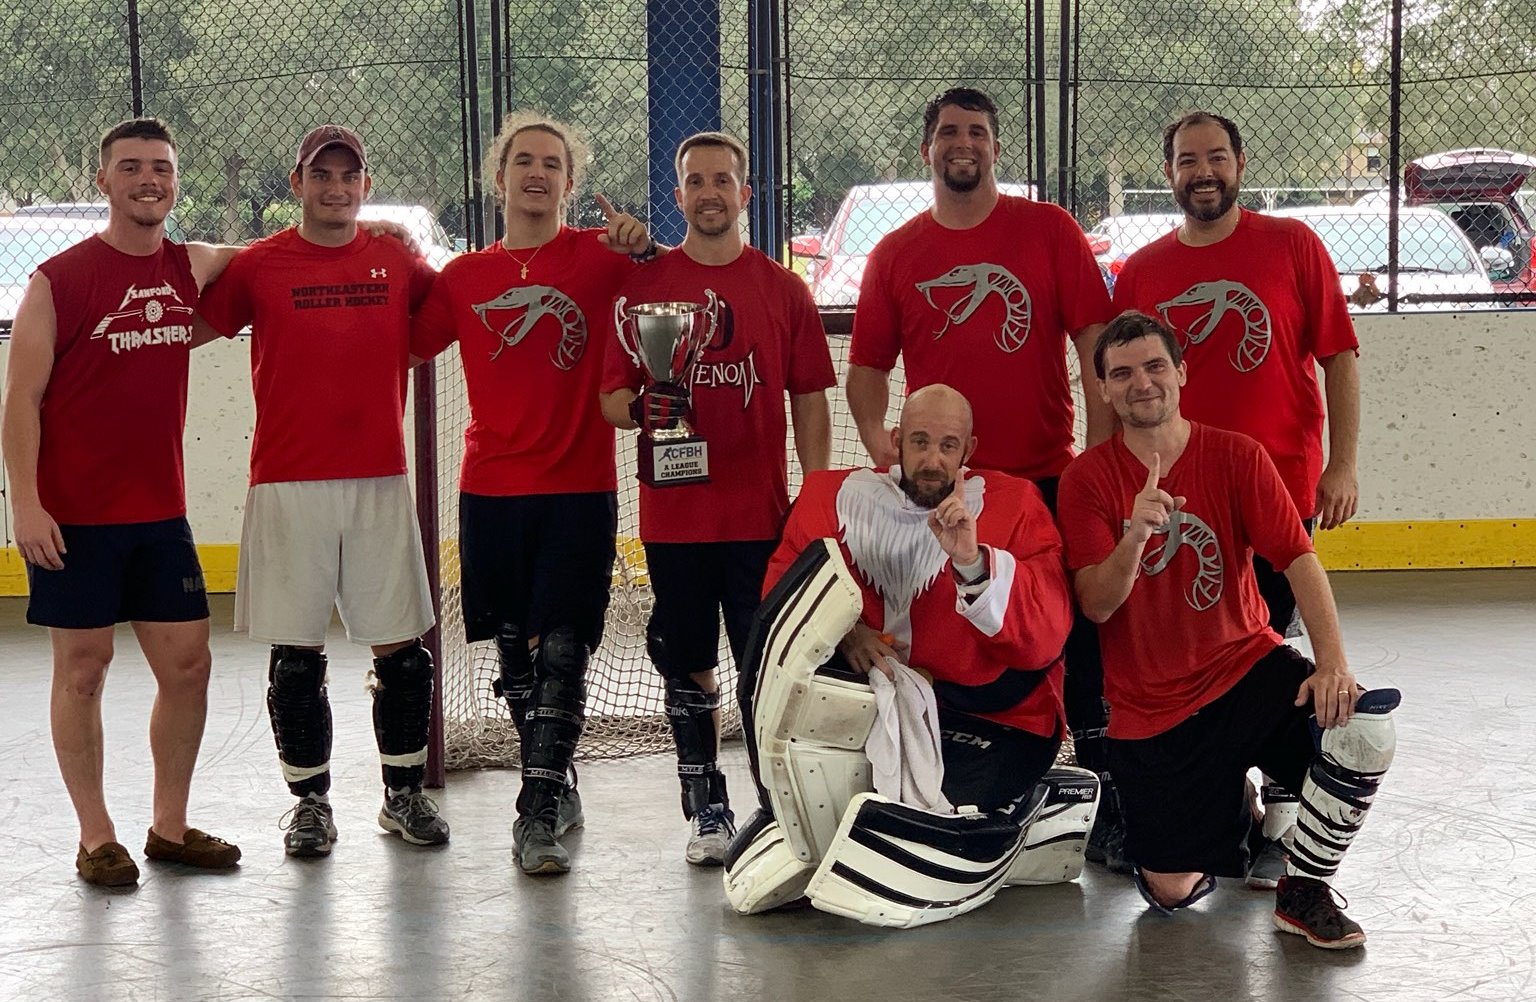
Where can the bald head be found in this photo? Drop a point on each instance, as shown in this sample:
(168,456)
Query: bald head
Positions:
(934,439)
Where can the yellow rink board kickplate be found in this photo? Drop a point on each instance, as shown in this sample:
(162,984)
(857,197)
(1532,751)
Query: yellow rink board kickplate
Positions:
(1358,546)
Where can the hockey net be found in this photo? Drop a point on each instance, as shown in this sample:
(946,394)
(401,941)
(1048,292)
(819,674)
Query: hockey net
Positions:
(625,715)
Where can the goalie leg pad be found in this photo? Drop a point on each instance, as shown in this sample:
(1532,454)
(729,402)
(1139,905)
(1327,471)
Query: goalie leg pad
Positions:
(300,708)
(402,714)
(1341,785)
(897,866)
(1054,843)
(762,872)
(554,723)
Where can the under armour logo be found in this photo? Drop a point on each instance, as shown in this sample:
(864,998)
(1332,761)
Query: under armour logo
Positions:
(378,272)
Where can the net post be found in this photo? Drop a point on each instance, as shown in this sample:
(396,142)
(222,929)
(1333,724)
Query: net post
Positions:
(424,385)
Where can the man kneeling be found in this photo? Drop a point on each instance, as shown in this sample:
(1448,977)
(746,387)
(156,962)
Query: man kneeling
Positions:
(958,574)
(1200,688)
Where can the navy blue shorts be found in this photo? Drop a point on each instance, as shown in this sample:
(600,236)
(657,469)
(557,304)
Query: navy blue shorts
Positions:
(538,562)
(143,572)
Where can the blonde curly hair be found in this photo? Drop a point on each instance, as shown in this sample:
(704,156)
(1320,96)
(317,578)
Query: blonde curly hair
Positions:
(578,152)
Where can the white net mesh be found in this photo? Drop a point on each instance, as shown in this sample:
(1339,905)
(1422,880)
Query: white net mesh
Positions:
(625,715)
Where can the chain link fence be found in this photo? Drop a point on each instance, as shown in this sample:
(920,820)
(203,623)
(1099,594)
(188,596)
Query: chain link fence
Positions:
(1373,108)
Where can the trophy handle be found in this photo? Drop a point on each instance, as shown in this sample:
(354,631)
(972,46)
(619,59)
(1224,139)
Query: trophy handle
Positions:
(619,325)
(712,311)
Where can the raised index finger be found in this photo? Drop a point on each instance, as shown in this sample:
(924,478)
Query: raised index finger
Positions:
(608,210)
(1155,471)
(959,488)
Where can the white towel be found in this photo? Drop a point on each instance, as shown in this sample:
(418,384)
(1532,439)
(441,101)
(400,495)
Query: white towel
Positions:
(903,747)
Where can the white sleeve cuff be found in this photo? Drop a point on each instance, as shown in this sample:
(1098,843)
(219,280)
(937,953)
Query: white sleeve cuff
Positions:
(988,604)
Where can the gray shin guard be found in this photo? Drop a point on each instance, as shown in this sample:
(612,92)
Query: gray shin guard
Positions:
(301,718)
(554,722)
(518,680)
(1341,784)
(402,714)
(691,712)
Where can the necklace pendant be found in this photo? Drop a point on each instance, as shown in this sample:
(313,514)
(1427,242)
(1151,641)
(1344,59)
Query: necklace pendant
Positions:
(525,271)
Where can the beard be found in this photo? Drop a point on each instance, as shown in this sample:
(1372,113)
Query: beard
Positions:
(924,496)
(960,185)
(1156,417)
(711,227)
(1227,199)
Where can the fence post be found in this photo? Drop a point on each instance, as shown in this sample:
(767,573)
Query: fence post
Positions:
(765,128)
(1395,146)
(682,56)
(135,60)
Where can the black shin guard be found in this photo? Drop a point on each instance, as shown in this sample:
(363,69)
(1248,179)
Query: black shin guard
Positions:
(691,712)
(301,718)
(554,722)
(402,714)
(517,680)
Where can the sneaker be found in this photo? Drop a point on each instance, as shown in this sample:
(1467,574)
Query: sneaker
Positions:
(1106,844)
(1306,907)
(196,848)
(535,850)
(713,828)
(109,866)
(413,816)
(311,828)
(570,817)
(1268,866)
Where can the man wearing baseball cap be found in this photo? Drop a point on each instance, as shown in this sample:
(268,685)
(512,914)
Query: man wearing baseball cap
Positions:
(329,519)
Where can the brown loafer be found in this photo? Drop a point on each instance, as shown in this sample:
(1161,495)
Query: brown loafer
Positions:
(196,848)
(108,866)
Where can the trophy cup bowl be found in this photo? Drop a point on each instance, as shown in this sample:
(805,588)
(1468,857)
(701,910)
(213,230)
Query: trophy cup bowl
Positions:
(665,340)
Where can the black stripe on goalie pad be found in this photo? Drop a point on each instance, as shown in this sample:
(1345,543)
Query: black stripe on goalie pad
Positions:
(976,838)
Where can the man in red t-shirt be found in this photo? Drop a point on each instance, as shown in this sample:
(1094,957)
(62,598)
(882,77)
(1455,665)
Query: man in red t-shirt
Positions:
(707,545)
(537,509)
(985,292)
(329,519)
(1256,302)
(1160,523)
(95,408)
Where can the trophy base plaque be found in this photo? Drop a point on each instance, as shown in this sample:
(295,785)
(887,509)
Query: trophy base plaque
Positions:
(673,462)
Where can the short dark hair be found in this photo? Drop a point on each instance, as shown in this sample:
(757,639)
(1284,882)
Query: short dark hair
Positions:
(136,128)
(1201,118)
(1132,326)
(968,98)
(717,140)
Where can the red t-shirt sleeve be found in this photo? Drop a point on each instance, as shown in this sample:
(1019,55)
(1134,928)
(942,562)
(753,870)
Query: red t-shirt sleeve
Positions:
(1270,520)
(1079,285)
(810,360)
(1125,287)
(1328,324)
(432,324)
(876,325)
(227,303)
(423,278)
(1090,526)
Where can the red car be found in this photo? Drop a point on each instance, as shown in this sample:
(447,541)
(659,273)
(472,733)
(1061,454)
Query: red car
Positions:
(1484,191)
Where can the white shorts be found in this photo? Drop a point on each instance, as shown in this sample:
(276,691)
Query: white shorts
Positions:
(353,544)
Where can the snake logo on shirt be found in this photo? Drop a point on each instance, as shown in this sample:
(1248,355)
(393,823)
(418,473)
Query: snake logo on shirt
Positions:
(1184,529)
(514,313)
(983,280)
(1216,300)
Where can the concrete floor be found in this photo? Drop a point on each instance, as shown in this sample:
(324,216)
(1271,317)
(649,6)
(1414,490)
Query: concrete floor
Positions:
(1443,878)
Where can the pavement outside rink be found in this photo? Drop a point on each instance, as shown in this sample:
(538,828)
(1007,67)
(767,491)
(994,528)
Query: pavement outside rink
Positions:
(1443,878)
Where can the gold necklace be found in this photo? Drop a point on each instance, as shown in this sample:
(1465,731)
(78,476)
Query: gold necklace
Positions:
(521,263)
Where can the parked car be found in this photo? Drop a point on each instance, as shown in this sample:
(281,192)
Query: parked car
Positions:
(1485,192)
(1435,258)
(26,243)
(429,233)
(1124,235)
(836,258)
(89,210)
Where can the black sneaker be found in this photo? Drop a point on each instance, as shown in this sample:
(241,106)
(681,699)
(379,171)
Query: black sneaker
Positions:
(1306,907)
(535,850)
(1106,844)
(570,817)
(413,816)
(311,829)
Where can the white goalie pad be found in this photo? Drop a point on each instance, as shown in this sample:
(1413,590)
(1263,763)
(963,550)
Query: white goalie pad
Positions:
(811,729)
(901,867)
(1054,843)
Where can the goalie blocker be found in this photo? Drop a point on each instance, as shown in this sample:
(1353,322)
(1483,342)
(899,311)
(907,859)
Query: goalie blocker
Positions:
(822,833)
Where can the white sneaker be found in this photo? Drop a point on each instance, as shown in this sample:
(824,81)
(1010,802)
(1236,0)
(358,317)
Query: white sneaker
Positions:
(713,828)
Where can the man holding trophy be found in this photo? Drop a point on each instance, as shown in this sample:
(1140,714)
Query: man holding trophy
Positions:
(709,340)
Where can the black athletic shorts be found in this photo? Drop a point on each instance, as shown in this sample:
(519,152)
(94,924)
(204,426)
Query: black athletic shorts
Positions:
(145,572)
(1183,791)
(1276,592)
(988,765)
(695,584)
(537,562)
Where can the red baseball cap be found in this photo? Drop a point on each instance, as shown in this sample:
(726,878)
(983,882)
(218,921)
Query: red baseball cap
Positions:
(319,138)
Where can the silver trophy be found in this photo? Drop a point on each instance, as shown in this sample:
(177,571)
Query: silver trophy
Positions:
(665,340)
